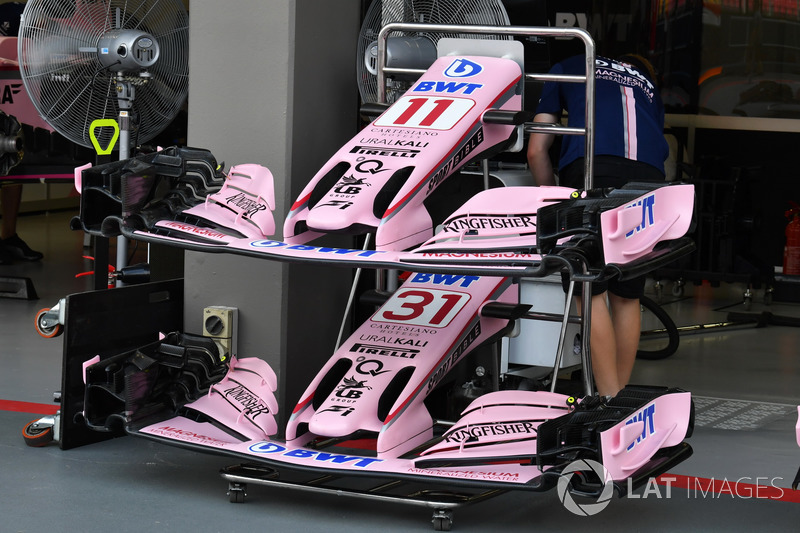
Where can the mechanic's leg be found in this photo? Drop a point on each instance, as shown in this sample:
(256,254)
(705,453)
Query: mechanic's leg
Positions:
(10,198)
(603,347)
(13,247)
(627,320)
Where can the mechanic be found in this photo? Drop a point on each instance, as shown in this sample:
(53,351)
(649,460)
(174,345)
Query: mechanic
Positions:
(629,146)
(11,245)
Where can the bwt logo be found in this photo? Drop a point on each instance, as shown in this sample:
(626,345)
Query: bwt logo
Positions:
(443,279)
(570,20)
(449,87)
(463,68)
(647,417)
(647,205)
(312,456)
(599,22)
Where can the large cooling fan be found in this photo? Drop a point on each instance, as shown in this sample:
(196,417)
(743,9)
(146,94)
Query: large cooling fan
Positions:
(417,51)
(88,60)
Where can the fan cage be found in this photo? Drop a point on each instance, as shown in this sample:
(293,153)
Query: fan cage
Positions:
(58,56)
(383,12)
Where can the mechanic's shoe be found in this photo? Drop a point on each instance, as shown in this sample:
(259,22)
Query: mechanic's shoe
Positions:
(5,256)
(19,249)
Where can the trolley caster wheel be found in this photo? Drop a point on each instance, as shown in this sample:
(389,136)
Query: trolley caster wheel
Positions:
(677,289)
(748,299)
(658,289)
(37,434)
(768,296)
(47,327)
(237,492)
(442,520)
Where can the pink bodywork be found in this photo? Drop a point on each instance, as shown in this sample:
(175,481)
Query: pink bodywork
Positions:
(424,329)
(491,421)
(633,230)
(501,218)
(428,134)
(245,202)
(497,425)
(377,380)
(244,399)
(485,228)
(797,426)
(660,424)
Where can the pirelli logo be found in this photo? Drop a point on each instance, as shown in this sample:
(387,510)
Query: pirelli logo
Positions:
(385,152)
(372,349)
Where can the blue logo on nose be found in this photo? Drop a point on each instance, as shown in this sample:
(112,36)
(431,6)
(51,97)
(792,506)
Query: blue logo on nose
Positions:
(462,68)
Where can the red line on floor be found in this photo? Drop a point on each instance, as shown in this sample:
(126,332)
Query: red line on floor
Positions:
(701,487)
(28,407)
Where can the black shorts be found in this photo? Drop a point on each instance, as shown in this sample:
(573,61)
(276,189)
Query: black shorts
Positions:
(610,171)
(632,289)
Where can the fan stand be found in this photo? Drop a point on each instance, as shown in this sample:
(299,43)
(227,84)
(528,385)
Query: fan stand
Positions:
(77,57)
(126,92)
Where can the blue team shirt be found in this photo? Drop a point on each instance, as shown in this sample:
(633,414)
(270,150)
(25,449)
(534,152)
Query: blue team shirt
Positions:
(629,115)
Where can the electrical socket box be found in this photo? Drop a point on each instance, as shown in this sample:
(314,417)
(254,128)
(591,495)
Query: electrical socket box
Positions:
(220,324)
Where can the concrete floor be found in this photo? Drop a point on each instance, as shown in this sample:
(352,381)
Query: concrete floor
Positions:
(745,382)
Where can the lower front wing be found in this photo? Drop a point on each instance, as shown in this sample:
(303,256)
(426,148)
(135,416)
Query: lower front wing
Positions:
(561,441)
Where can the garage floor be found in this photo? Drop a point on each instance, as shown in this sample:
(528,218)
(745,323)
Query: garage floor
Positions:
(745,381)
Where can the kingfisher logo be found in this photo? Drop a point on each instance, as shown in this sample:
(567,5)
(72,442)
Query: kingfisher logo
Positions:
(463,68)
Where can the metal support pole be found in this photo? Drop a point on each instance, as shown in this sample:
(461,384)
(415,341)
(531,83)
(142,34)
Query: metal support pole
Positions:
(544,31)
(586,334)
(562,334)
(125,95)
